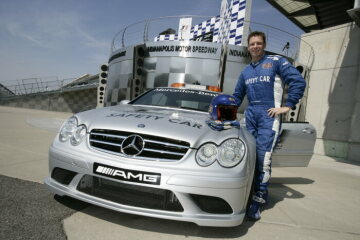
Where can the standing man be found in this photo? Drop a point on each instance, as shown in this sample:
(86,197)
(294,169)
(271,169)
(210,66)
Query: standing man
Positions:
(264,89)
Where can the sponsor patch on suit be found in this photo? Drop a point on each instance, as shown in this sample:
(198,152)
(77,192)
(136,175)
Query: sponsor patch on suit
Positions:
(267,65)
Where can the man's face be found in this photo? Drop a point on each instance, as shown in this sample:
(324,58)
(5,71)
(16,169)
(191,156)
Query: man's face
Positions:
(256,47)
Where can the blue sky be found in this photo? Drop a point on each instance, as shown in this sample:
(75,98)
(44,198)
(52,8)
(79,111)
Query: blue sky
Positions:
(66,39)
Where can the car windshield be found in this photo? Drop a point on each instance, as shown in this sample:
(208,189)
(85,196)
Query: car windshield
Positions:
(178,98)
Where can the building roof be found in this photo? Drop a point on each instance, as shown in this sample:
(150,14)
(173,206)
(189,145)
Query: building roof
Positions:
(312,15)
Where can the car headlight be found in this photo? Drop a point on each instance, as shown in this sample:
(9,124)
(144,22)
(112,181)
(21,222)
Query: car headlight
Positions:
(206,155)
(231,152)
(71,130)
(78,136)
(68,129)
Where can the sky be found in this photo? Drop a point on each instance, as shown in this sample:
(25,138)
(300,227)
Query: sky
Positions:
(52,39)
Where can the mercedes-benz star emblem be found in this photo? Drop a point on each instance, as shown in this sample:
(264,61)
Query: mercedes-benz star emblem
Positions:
(133,145)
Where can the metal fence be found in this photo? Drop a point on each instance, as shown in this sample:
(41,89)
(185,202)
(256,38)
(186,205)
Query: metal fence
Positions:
(35,85)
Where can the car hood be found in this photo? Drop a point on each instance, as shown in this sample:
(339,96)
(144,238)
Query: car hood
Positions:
(172,123)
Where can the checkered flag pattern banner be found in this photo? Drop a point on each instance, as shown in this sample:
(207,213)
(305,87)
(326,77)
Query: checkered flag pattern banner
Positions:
(225,30)
(167,37)
(211,25)
(237,21)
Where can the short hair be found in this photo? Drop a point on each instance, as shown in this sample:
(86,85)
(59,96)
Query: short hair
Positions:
(257,33)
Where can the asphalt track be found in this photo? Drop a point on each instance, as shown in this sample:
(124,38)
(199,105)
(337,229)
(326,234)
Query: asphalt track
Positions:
(318,202)
(29,211)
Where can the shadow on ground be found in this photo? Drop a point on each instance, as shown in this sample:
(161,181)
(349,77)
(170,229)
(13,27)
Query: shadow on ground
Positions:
(279,190)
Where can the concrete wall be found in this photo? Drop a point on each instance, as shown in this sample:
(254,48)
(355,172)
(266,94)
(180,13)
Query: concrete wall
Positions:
(70,101)
(334,91)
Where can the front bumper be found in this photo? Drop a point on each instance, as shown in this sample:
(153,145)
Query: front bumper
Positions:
(184,185)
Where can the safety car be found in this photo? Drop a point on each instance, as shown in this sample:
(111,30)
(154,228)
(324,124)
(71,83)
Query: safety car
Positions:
(158,156)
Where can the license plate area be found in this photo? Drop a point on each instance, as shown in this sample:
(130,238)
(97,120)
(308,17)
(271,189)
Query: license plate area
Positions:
(126,174)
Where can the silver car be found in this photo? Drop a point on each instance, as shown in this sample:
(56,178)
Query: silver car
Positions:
(156,156)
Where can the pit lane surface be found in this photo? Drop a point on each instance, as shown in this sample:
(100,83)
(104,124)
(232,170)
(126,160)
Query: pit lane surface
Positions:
(318,202)
(29,211)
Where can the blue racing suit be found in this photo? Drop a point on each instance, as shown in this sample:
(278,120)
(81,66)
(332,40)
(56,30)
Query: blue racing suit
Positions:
(264,89)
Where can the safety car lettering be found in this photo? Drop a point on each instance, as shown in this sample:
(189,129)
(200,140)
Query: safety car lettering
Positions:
(154,117)
(187,123)
(125,115)
(257,79)
(251,80)
(264,78)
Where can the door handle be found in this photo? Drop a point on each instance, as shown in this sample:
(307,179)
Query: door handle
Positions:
(308,130)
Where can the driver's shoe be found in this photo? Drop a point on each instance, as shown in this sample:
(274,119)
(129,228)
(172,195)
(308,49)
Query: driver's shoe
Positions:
(254,209)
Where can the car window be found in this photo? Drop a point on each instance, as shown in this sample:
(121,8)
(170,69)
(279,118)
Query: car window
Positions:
(158,99)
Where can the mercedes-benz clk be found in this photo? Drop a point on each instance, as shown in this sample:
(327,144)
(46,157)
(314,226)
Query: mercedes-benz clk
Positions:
(156,156)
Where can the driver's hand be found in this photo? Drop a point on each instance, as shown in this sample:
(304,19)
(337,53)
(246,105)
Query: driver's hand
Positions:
(273,112)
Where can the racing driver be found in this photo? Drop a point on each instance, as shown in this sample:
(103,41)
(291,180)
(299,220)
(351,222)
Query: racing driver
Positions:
(263,81)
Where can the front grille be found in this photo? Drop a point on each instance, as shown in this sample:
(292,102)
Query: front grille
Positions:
(155,148)
(130,195)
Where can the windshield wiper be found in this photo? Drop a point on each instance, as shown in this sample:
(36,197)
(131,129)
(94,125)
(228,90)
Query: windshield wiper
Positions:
(189,108)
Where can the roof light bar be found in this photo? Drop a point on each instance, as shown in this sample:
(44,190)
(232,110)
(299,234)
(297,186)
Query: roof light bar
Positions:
(177,85)
(199,87)
(213,88)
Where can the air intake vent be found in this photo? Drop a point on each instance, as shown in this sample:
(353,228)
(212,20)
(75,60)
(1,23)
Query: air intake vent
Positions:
(63,176)
(131,195)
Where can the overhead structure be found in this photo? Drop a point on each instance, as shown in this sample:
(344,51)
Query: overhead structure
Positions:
(5,92)
(310,15)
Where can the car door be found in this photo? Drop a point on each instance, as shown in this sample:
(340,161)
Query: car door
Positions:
(295,145)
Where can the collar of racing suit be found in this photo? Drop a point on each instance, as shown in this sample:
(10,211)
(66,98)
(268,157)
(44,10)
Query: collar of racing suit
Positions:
(254,64)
